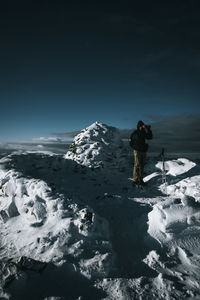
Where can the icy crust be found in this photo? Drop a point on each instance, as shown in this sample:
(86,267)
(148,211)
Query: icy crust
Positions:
(143,288)
(177,166)
(175,224)
(174,221)
(38,223)
(186,189)
(98,146)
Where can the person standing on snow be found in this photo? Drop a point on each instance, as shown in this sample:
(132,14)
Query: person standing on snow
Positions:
(137,142)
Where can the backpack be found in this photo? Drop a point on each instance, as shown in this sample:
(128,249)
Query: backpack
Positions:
(132,140)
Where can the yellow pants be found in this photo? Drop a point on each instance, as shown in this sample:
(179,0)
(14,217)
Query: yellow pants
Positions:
(139,162)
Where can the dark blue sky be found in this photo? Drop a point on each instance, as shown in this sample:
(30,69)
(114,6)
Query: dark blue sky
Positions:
(65,65)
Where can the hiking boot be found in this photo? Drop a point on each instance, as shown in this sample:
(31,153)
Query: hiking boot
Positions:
(141,182)
(136,182)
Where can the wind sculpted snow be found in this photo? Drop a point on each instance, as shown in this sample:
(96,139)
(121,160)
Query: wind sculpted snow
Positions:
(74,227)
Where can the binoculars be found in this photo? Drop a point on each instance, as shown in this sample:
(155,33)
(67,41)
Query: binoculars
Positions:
(148,126)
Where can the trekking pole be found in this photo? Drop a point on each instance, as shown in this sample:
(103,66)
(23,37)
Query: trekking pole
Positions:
(164,177)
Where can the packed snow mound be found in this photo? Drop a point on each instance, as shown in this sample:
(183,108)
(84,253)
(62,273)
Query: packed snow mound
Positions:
(38,222)
(173,219)
(142,288)
(175,224)
(97,146)
(177,166)
(179,214)
(189,186)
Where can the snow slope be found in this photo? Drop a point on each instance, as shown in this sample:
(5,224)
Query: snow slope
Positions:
(76,228)
(41,221)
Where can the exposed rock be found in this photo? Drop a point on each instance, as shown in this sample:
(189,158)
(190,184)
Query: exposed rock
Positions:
(8,209)
(8,272)
(27,263)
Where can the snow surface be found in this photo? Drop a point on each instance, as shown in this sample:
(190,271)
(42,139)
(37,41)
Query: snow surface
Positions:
(74,226)
(176,167)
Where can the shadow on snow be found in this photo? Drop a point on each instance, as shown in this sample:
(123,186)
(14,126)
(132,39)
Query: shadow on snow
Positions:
(108,193)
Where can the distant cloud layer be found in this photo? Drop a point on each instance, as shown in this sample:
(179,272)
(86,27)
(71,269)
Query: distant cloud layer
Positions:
(179,133)
(47,140)
(69,135)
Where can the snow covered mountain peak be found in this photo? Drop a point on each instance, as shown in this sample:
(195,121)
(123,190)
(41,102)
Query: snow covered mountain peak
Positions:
(97,146)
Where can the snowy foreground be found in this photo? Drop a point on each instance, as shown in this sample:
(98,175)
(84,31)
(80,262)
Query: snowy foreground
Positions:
(74,227)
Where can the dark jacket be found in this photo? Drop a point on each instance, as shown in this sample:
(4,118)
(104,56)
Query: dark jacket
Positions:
(137,139)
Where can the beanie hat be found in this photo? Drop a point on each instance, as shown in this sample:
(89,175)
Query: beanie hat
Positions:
(140,123)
